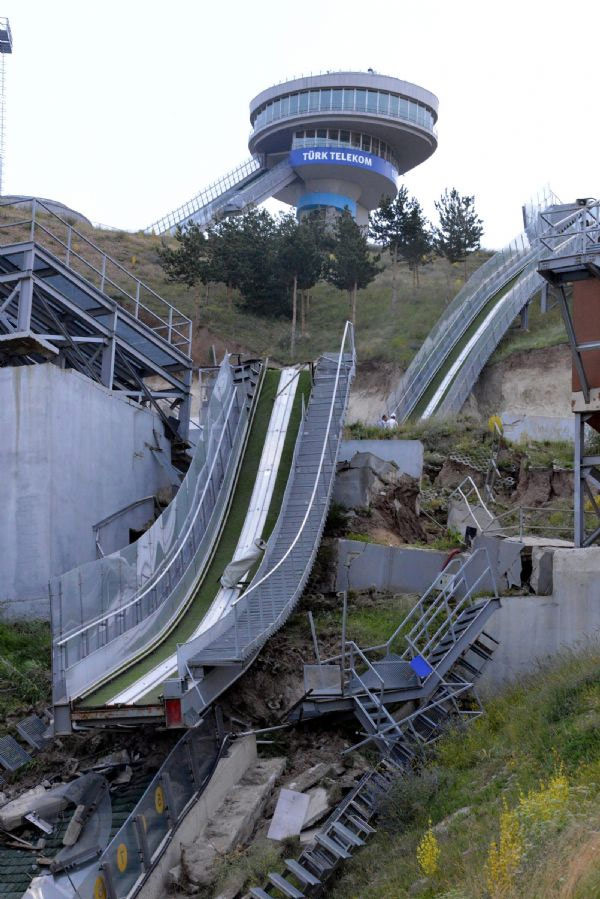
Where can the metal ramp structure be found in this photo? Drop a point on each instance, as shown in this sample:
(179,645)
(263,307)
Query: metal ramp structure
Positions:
(108,611)
(249,184)
(63,299)
(119,612)
(212,661)
(442,374)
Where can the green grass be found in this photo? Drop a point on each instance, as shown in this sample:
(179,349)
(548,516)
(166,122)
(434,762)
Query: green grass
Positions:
(24,664)
(545,724)
(544,331)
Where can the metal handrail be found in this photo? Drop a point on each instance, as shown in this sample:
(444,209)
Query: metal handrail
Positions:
(160,573)
(194,646)
(348,330)
(214,190)
(174,320)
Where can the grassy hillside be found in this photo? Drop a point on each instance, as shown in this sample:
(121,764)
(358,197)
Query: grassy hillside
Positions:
(512,803)
(383,333)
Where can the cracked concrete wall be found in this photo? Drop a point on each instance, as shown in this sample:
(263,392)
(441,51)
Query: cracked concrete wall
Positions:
(71,455)
(533,630)
(407,454)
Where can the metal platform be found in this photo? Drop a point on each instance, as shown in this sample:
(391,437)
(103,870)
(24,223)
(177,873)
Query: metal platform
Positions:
(63,299)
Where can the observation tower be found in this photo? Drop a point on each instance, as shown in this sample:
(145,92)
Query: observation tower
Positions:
(323,142)
(347,136)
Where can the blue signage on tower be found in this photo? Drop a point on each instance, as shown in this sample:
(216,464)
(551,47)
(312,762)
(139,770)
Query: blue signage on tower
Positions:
(340,156)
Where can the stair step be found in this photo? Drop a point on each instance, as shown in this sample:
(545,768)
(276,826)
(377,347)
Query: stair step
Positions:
(361,824)
(259,893)
(332,846)
(347,834)
(301,873)
(284,886)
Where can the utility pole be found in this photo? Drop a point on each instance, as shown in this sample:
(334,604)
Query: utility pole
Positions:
(5,48)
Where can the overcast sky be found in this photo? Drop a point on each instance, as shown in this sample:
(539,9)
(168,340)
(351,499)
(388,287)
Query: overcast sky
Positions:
(123,110)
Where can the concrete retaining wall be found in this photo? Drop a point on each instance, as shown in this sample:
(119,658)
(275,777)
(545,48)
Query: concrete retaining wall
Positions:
(398,569)
(71,454)
(407,454)
(533,630)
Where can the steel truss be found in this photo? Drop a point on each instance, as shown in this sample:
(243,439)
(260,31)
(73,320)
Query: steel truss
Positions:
(50,313)
(580,263)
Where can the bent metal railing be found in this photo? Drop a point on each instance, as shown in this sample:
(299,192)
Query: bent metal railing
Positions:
(105,611)
(87,260)
(292,547)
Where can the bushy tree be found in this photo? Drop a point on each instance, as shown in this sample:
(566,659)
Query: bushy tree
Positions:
(351,265)
(460,228)
(300,258)
(387,227)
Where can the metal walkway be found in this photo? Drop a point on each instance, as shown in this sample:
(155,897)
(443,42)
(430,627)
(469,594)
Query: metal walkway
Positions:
(209,663)
(446,652)
(247,185)
(62,298)
(439,640)
(442,374)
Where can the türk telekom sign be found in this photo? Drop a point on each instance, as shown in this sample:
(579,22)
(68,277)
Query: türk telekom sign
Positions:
(337,156)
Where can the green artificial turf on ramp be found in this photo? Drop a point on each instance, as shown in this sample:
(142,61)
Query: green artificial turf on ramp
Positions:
(229,536)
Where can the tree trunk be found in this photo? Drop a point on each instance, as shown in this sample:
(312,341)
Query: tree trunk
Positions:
(354,290)
(229,298)
(395,277)
(294,304)
(303,313)
(465,267)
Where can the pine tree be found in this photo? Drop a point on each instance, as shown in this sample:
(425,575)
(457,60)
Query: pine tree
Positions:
(460,228)
(417,244)
(387,227)
(351,266)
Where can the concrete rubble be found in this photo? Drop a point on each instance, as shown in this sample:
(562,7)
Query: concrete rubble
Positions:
(232,825)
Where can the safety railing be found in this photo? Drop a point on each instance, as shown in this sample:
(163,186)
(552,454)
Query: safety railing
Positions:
(444,601)
(550,521)
(122,868)
(478,350)
(464,308)
(486,281)
(255,615)
(79,254)
(214,190)
(107,610)
(581,224)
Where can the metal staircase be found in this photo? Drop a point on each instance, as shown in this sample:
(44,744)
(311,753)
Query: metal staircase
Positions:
(210,662)
(446,650)
(247,185)
(443,635)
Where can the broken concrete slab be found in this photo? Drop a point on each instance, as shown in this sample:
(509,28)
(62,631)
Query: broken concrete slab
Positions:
(232,823)
(318,807)
(46,803)
(290,814)
(541,580)
(310,777)
(357,482)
